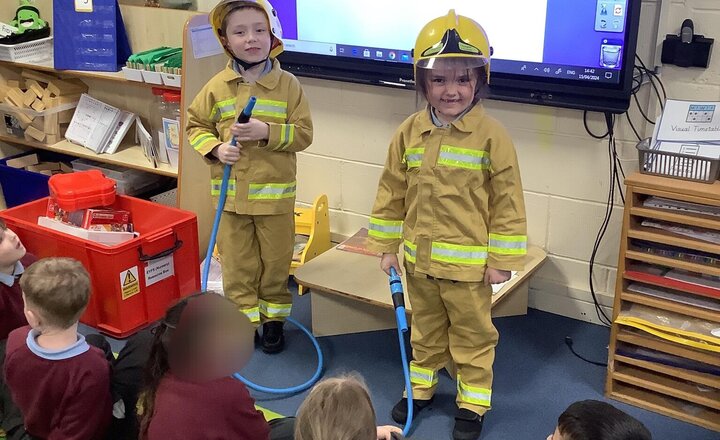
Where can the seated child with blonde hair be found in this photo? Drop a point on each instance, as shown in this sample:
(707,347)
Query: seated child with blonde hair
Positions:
(340,409)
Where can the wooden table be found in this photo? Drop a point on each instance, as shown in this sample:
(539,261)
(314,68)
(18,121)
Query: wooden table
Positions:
(350,294)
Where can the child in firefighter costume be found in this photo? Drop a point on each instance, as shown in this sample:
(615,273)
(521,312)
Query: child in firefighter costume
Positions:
(257,233)
(451,196)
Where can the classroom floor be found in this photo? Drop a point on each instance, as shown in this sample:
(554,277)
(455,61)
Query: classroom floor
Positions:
(536,377)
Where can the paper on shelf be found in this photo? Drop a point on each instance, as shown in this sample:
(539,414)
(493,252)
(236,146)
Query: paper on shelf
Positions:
(204,42)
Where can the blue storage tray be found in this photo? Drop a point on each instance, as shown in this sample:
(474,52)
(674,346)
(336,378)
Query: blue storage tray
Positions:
(21,186)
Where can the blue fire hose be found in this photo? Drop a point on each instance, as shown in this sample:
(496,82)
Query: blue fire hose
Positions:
(398,297)
(242,119)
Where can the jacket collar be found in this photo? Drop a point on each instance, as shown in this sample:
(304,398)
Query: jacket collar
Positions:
(269,81)
(467,123)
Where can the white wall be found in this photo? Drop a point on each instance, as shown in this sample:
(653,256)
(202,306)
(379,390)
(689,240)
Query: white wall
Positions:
(565,172)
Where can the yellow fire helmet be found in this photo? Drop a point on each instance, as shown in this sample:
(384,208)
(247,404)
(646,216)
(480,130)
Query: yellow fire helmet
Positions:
(452,37)
(221,10)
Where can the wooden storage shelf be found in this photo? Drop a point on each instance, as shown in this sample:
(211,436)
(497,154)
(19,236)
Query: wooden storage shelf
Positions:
(128,155)
(677,409)
(667,385)
(672,262)
(689,375)
(668,390)
(110,76)
(665,237)
(670,216)
(672,306)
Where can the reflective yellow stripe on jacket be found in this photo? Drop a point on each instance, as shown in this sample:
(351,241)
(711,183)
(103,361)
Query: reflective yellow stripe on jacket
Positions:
(463,158)
(199,141)
(473,395)
(413,157)
(272,191)
(272,310)
(410,251)
(217,183)
(459,254)
(271,108)
(508,244)
(223,110)
(287,135)
(387,229)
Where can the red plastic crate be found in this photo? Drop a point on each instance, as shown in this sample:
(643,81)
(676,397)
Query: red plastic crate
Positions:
(122,302)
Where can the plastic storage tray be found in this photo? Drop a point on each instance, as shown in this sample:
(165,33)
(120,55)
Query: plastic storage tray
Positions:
(133,283)
(82,190)
(677,165)
(30,52)
(130,182)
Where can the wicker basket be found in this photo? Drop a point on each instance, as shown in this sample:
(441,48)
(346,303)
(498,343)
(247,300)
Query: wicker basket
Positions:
(677,165)
(35,51)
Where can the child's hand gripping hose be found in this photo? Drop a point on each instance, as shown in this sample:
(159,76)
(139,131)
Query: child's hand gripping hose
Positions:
(242,119)
(398,296)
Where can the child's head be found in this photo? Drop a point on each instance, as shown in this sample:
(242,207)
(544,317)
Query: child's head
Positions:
(11,249)
(595,420)
(56,292)
(337,409)
(201,338)
(452,64)
(249,30)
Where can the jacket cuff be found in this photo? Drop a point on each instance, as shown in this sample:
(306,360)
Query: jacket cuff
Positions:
(280,136)
(514,263)
(383,246)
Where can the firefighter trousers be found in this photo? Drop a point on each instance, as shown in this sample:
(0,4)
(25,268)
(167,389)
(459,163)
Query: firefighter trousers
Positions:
(451,321)
(256,253)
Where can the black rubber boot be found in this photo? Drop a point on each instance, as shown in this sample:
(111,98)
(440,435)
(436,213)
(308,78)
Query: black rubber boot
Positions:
(400,410)
(273,337)
(468,425)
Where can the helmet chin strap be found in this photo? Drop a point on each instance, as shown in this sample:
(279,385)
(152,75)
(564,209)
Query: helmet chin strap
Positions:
(246,65)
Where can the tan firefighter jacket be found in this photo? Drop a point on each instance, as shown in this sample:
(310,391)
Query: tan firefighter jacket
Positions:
(263,180)
(452,197)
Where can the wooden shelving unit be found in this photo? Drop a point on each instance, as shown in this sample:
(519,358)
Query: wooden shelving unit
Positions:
(108,76)
(128,155)
(680,393)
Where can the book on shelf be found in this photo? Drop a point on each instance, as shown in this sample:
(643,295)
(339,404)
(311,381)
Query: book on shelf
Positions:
(98,126)
(675,252)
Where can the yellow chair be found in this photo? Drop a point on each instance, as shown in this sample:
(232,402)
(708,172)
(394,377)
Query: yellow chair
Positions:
(311,224)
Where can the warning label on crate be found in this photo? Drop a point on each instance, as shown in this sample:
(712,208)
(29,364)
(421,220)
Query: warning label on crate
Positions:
(158,270)
(129,282)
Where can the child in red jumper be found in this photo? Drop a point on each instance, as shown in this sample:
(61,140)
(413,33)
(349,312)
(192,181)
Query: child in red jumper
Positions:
(190,393)
(60,384)
(13,262)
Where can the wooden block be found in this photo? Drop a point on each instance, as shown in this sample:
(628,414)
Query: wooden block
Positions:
(15,97)
(47,100)
(23,161)
(38,76)
(78,82)
(42,166)
(52,139)
(39,123)
(65,168)
(3,91)
(34,133)
(29,98)
(13,83)
(36,88)
(46,172)
(61,87)
(51,124)
(37,105)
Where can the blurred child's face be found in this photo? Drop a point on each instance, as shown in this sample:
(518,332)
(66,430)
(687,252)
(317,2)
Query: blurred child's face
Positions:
(451,92)
(11,249)
(247,35)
